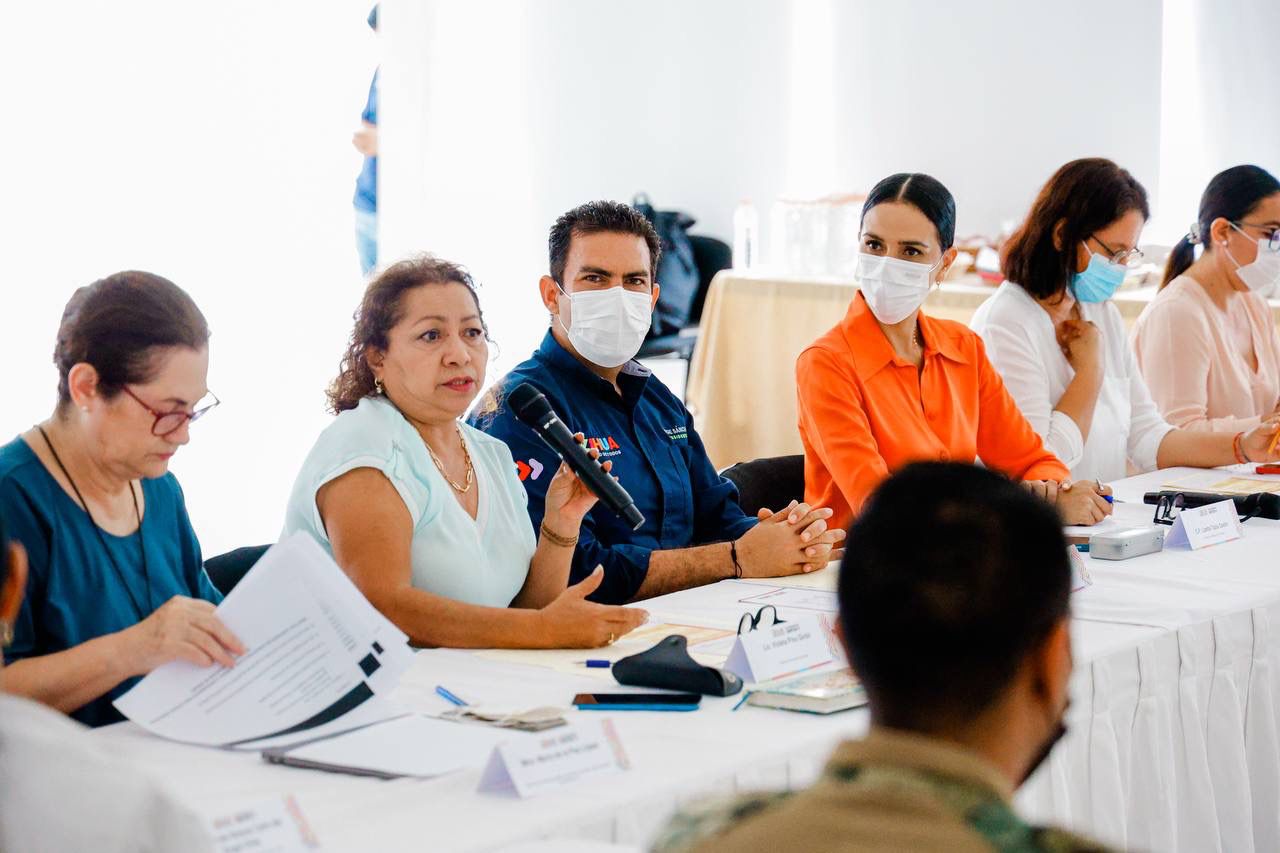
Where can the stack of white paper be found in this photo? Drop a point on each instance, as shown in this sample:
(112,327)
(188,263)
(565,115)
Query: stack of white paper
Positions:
(318,656)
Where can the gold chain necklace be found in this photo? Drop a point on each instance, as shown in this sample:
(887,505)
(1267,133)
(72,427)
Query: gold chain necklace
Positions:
(471,474)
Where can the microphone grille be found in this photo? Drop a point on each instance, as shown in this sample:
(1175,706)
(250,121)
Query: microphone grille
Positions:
(528,402)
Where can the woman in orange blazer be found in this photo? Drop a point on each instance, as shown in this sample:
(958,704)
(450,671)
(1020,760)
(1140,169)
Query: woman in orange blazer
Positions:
(890,385)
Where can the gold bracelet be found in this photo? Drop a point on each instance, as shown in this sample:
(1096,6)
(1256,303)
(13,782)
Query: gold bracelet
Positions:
(557,539)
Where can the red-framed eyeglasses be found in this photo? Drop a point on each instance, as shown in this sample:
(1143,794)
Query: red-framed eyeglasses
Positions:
(168,423)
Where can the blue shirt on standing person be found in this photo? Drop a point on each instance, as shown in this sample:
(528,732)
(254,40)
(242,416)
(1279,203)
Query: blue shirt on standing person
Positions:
(366,197)
(656,453)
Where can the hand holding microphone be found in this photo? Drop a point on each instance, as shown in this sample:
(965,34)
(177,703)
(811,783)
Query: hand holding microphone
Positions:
(531,406)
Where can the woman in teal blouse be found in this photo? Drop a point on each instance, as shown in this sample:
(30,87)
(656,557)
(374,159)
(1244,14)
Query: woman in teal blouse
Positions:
(116,583)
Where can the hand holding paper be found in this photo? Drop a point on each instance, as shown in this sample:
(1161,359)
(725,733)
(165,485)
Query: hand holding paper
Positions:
(185,629)
(317,652)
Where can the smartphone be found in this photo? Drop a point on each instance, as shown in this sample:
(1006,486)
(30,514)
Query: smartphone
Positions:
(637,701)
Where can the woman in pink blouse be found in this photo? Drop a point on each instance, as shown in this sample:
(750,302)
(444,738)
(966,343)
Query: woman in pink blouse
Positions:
(1207,344)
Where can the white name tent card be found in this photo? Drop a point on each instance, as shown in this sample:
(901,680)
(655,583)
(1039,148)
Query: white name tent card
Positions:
(271,826)
(782,649)
(535,764)
(1202,526)
(1080,577)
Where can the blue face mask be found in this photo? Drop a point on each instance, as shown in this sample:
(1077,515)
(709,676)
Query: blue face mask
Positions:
(1099,281)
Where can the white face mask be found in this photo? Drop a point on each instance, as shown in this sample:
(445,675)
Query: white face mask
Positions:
(608,326)
(893,288)
(1263,274)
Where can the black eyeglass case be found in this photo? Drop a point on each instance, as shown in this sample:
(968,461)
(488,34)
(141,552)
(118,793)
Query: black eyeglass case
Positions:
(669,666)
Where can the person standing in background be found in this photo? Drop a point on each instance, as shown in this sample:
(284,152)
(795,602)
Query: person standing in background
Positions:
(1207,344)
(366,198)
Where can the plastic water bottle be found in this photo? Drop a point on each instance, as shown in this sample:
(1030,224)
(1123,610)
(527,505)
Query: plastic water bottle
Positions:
(746,236)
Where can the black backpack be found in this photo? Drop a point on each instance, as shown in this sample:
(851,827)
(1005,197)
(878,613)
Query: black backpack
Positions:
(677,270)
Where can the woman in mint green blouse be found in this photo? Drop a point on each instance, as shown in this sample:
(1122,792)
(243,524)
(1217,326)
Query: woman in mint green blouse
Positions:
(425,513)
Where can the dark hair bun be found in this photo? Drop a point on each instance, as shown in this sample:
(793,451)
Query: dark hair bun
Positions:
(117,323)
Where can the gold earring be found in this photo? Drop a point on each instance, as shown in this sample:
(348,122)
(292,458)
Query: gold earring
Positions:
(6,634)
(377,385)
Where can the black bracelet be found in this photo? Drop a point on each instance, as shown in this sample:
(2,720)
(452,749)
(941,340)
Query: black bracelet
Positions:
(733,555)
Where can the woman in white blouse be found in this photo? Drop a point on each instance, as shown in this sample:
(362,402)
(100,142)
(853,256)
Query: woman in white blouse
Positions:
(63,790)
(1061,346)
(425,513)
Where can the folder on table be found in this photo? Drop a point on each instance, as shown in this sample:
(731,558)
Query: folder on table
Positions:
(410,745)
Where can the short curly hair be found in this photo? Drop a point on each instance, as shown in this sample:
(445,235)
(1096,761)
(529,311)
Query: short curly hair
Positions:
(379,311)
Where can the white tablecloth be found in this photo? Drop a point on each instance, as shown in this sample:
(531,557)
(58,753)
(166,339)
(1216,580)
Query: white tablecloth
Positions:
(1172,742)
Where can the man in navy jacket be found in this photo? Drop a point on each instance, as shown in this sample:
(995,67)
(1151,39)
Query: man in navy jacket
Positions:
(601,291)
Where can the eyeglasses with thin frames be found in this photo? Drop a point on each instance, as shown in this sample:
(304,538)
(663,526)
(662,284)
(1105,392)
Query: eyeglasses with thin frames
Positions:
(1168,507)
(1269,232)
(765,617)
(167,423)
(1121,257)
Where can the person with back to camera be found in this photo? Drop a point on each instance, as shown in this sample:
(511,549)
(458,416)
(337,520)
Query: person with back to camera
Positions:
(962,641)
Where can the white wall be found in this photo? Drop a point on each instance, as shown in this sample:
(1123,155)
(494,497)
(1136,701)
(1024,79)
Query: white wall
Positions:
(505,114)
(1219,106)
(991,97)
(510,113)
(209,143)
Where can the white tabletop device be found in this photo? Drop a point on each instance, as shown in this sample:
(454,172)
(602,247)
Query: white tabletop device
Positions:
(1123,544)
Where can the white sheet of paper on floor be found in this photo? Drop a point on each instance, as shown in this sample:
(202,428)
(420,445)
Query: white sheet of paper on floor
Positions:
(317,651)
(1202,526)
(781,649)
(533,764)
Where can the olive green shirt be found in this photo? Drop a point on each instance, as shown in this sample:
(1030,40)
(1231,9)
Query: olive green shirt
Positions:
(892,791)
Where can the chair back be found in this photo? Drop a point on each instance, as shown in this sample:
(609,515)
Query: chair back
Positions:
(772,482)
(226,570)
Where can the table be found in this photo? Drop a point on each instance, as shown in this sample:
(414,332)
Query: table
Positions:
(1172,742)
(741,386)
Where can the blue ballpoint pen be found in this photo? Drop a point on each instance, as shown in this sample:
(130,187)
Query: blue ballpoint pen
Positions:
(451,697)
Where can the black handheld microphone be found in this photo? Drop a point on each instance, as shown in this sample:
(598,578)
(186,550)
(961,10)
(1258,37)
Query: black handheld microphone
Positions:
(531,406)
